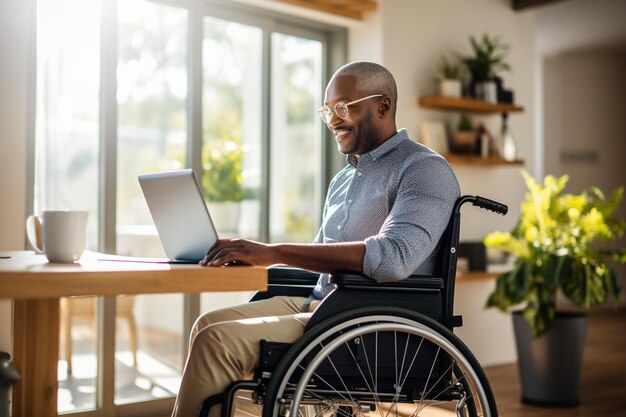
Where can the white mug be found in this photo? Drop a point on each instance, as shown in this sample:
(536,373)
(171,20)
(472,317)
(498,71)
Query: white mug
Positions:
(59,234)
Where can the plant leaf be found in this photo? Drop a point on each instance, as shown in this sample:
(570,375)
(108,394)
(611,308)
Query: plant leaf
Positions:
(615,285)
(539,311)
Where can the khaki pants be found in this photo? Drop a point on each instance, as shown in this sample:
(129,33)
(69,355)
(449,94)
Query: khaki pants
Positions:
(224,347)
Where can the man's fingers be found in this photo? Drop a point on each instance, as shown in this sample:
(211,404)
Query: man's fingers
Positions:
(222,257)
(229,252)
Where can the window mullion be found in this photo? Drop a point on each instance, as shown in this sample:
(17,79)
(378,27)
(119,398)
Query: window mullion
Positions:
(194,89)
(264,230)
(108,128)
(108,201)
(191,302)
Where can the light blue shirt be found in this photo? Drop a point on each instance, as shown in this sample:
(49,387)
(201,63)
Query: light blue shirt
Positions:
(398,199)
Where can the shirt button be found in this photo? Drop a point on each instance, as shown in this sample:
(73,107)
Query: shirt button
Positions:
(339,227)
(350,201)
(360,173)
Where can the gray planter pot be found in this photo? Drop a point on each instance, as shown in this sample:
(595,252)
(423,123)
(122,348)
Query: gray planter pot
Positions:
(486,91)
(550,366)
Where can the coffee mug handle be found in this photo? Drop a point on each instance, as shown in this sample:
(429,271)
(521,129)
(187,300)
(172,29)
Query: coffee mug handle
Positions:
(33,232)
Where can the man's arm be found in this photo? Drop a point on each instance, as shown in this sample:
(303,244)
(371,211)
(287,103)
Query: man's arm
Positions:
(324,258)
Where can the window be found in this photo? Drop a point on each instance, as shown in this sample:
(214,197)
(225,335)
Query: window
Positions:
(66,157)
(135,86)
(297,91)
(151,111)
(232,69)
(152,51)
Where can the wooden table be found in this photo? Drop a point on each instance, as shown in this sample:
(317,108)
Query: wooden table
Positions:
(36,285)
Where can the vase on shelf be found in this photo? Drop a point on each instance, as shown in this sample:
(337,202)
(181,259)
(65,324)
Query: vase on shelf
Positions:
(507,147)
(486,91)
(450,88)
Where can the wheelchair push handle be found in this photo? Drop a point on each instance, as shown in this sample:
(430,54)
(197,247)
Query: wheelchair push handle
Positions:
(488,204)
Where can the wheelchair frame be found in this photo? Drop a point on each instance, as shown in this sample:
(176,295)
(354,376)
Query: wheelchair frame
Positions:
(422,311)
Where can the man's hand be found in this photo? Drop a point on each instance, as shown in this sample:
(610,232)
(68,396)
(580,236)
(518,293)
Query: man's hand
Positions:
(238,251)
(328,257)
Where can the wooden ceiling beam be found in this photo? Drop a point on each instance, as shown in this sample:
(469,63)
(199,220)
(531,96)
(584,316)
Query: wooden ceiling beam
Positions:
(363,5)
(352,9)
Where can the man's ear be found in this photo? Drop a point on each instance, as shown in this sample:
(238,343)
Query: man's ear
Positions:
(385,106)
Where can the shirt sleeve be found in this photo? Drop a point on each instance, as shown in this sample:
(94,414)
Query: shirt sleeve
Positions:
(417,219)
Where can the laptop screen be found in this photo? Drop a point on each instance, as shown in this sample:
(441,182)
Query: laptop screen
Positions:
(179,213)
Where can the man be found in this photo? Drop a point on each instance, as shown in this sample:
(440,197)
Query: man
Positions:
(383,216)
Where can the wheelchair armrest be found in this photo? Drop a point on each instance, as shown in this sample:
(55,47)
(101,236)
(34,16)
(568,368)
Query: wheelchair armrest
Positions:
(353,280)
(285,281)
(291,276)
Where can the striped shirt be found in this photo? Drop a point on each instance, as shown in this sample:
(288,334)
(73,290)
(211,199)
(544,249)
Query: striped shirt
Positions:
(398,199)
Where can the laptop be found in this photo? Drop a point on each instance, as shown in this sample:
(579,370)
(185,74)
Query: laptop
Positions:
(180,214)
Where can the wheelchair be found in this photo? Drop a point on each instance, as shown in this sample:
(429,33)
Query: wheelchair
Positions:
(372,348)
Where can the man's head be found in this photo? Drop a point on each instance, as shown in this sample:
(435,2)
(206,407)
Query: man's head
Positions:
(369,122)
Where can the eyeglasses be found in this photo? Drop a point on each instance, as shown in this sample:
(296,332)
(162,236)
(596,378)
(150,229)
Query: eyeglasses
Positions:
(340,109)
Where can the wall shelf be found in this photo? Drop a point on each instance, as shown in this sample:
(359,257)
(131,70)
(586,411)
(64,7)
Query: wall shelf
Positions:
(467,104)
(458,159)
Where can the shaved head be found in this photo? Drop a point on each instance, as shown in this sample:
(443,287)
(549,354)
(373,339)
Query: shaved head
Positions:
(370,78)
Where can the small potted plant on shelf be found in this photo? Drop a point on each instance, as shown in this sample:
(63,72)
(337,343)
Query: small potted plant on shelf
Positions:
(449,78)
(485,64)
(464,138)
(555,245)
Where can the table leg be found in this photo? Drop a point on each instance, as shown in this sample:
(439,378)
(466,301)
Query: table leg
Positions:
(35,356)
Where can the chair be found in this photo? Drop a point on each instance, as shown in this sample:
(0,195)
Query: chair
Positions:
(372,347)
(85,307)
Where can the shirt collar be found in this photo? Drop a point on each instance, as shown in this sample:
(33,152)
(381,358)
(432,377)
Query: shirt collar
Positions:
(386,147)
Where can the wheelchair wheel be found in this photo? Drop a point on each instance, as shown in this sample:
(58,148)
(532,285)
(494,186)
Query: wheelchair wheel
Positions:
(382,361)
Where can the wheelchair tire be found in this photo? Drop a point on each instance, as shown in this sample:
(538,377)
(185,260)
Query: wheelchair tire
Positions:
(299,382)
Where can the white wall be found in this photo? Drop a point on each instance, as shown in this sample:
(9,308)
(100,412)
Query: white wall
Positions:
(585,101)
(14,32)
(416,35)
(582,49)
(488,333)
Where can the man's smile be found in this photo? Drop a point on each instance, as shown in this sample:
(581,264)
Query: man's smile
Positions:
(340,134)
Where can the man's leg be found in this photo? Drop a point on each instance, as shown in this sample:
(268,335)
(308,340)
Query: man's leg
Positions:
(226,351)
(276,306)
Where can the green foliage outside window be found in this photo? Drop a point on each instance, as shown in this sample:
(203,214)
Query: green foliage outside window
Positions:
(222,179)
(222,153)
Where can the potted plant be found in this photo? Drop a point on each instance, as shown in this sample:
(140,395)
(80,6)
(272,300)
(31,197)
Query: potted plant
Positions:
(222,182)
(486,62)
(555,245)
(464,138)
(449,78)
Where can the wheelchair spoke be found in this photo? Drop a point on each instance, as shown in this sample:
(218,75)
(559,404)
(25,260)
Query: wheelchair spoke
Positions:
(399,386)
(408,371)
(330,360)
(406,347)
(433,386)
(429,374)
(327,384)
(374,392)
